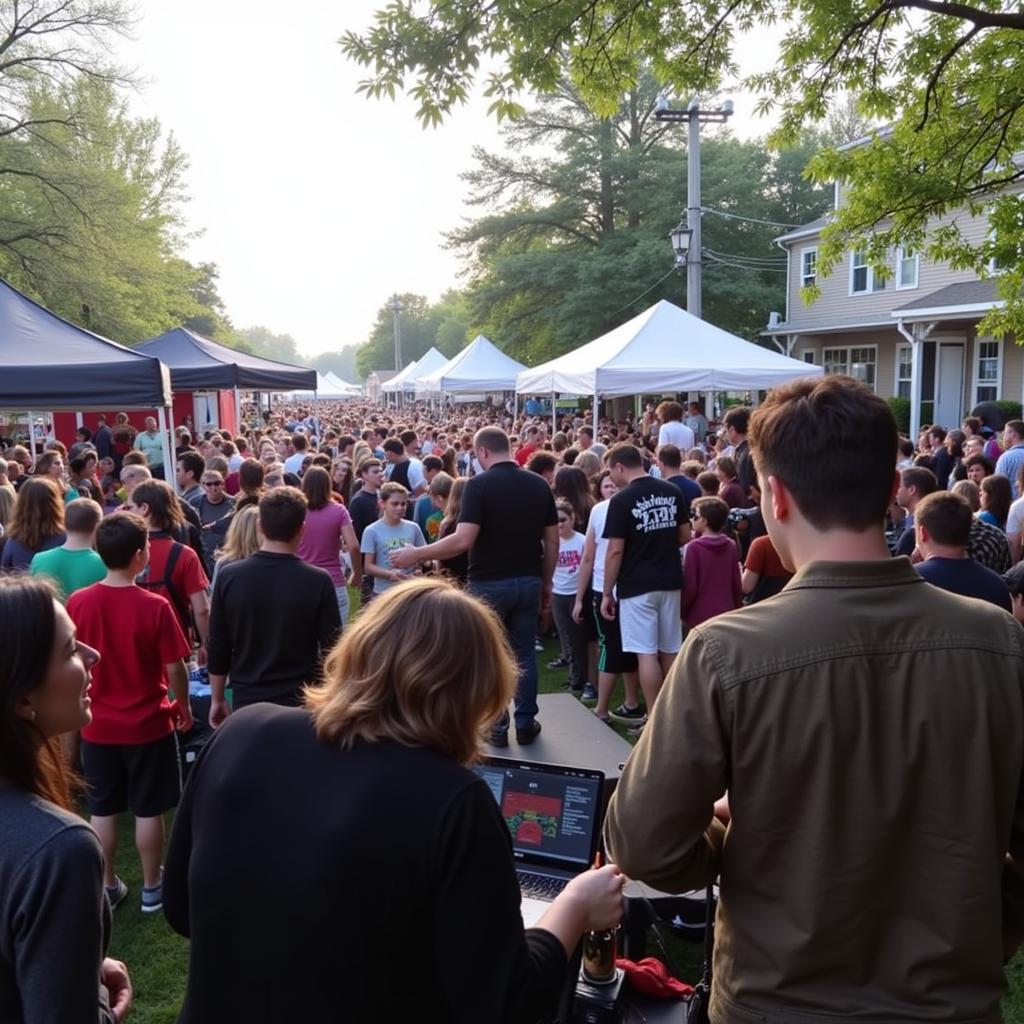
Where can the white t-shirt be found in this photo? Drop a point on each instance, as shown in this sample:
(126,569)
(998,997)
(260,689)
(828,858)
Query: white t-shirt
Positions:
(678,434)
(294,462)
(1015,520)
(598,514)
(567,568)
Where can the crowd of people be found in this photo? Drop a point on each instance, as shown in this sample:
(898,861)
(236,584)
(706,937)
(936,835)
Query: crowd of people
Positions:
(335,785)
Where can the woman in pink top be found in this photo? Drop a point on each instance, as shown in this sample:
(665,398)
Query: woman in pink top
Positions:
(327,525)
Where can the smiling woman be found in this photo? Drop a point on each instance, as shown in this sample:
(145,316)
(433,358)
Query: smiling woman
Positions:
(53,913)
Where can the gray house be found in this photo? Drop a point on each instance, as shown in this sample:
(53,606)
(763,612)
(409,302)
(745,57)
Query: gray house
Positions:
(912,335)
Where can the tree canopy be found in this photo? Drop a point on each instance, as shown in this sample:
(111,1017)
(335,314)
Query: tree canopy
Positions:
(575,214)
(946,78)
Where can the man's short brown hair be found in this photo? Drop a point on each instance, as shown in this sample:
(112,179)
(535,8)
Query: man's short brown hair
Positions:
(713,511)
(493,439)
(625,454)
(922,479)
(832,441)
(282,513)
(669,455)
(947,518)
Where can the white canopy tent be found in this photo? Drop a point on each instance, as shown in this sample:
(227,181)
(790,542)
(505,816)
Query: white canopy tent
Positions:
(480,366)
(343,386)
(664,349)
(325,389)
(405,382)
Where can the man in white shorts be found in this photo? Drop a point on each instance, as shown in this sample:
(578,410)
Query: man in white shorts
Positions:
(645,530)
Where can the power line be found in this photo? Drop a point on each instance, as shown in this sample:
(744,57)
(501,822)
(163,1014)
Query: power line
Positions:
(746,266)
(751,220)
(761,260)
(642,294)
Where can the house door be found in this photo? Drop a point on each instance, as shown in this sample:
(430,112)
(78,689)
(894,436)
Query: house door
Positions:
(949,385)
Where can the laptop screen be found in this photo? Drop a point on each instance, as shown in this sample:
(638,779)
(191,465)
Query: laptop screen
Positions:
(552,813)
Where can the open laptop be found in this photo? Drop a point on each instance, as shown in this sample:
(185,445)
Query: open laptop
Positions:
(553,814)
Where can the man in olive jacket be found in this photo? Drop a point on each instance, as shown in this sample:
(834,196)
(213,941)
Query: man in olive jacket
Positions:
(868,729)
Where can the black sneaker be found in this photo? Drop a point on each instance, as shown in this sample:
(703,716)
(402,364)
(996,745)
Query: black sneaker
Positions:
(634,716)
(499,738)
(116,893)
(589,694)
(524,737)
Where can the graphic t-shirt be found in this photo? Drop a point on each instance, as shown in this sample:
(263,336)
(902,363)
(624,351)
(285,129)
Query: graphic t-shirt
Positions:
(432,530)
(646,516)
(137,634)
(380,539)
(567,568)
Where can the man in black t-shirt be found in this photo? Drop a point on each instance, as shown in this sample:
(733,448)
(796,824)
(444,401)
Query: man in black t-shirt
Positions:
(645,530)
(509,527)
(364,508)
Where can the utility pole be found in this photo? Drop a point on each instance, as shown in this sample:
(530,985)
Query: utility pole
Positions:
(686,239)
(396,308)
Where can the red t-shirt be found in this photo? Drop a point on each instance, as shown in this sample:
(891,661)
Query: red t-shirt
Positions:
(188,576)
(137,634)
(763,559)
(523,454)
(231,484)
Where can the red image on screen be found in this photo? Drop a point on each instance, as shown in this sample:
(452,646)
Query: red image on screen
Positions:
(531,818)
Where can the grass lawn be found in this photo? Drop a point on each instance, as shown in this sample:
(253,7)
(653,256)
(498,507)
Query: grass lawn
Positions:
(158,959)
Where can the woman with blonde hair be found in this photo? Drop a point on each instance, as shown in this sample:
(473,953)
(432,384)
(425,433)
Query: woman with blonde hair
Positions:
(356,825)
(456,568)
(243,538)
(36,525)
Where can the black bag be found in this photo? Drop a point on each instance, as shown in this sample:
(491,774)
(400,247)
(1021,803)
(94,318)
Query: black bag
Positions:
(191,743)
(697,1005)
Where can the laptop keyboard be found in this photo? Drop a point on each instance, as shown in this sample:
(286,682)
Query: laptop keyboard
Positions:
(540,887)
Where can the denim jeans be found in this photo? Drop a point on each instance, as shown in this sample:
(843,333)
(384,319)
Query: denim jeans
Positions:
(517,602)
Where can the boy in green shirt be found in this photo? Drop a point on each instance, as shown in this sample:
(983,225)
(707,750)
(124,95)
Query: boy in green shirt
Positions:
(75,564)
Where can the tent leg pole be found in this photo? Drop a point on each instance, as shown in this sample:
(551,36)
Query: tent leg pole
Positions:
(79,420)
(32,435)
(709,405)
(238,412)
(169,475)
(595,414)
(554,416)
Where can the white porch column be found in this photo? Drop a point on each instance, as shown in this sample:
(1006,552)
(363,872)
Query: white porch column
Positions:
(169,475)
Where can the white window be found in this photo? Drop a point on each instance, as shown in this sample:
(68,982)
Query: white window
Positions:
(862,276)
(987,369)
(808,267)
(907,265)
(808,355)
(860,362)
(904,369)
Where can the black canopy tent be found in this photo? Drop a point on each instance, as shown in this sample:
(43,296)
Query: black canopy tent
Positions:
(197,363)
(49,364)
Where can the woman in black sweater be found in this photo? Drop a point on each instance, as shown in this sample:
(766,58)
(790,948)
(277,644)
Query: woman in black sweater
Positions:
(341,862)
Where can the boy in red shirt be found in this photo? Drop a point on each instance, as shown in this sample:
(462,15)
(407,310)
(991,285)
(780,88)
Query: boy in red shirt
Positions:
(129,749)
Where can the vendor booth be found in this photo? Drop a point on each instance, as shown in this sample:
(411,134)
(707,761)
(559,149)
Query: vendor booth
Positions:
(49,364)
(661,351)
(206,377)
(481,367)
(404,383)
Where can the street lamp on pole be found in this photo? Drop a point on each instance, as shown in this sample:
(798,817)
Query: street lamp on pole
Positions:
(396,307)
(686,238)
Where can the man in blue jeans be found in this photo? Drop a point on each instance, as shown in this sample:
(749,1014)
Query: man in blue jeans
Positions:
(509,527)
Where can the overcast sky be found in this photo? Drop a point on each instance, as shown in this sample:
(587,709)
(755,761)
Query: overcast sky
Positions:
(315,203)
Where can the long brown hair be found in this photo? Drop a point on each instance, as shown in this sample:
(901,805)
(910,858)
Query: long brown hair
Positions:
(441,688)
(38,513)
(453,507)
(316,486)
(28,629)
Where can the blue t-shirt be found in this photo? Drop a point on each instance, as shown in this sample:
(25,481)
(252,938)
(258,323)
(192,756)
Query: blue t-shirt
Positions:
(966,577)
(691,492)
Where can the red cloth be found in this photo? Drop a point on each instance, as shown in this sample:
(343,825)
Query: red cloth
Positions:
(137,634)
(231,484)
(523,454)
(650,977)
(763,559)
